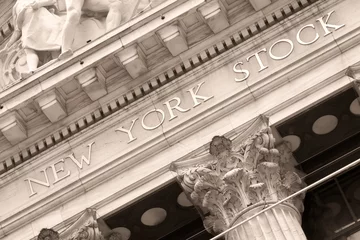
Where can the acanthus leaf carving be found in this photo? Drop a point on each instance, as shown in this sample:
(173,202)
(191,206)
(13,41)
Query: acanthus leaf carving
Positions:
(243,175)
(48,234)
(238,182)
(115,236)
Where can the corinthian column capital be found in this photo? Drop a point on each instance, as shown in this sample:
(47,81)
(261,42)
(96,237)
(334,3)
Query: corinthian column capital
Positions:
(85,228)
(238,178)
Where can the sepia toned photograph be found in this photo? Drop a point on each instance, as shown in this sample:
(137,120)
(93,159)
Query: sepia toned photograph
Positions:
(179,120)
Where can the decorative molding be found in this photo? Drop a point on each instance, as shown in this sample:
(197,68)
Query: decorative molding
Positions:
(85,228)
(354,73)
(146,88)
(13,128)
(115,236)
(134,61)
(91,84)
(27,210)
(12,66)
(214,15)
(239,176)
(174,39)
(259,4)
(48,234)
(53,105)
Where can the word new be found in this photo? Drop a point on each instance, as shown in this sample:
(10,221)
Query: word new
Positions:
(58,170)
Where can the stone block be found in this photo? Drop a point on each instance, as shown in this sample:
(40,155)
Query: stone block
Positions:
(13,128)
(215,16)
(133,60)
(2,168)
(174,39)
(9,164)
(53,105)
(17,159)
(259,4)
(91,84)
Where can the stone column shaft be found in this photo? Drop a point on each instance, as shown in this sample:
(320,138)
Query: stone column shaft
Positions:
(280,223)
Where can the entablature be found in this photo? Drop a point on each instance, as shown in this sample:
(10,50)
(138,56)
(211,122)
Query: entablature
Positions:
(66,96)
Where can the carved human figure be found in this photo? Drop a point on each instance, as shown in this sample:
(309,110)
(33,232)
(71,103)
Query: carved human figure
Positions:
(74,9)
(38,28)
(118,11)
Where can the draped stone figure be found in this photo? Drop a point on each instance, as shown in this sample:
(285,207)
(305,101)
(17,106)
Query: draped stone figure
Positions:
(45,28)
(38,28)
(118,11)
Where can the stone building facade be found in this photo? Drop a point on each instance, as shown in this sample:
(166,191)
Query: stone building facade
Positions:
(179,119)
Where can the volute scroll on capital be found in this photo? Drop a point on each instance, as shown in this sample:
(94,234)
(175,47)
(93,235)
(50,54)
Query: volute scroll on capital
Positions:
(240,174)
(87,227)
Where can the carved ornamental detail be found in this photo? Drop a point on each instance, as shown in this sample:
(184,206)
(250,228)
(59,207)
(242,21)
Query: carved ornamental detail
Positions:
(115,236)
(87,227)
(87,232)
(238,176)
(47,30)
(48,234)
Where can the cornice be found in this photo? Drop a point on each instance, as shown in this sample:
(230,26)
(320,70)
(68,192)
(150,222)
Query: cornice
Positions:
(108,106)
(278,79)
(102,47)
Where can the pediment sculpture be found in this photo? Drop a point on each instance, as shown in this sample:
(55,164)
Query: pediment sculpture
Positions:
(45,30)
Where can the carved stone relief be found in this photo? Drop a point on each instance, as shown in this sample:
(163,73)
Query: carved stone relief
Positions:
(115,236)
(87,227)
(48,234)
(45,30)
(239,177)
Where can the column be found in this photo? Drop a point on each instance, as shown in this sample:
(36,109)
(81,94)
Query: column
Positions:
(240,177)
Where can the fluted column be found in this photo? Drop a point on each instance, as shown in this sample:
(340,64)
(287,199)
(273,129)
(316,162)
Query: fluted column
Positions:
(239,178)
